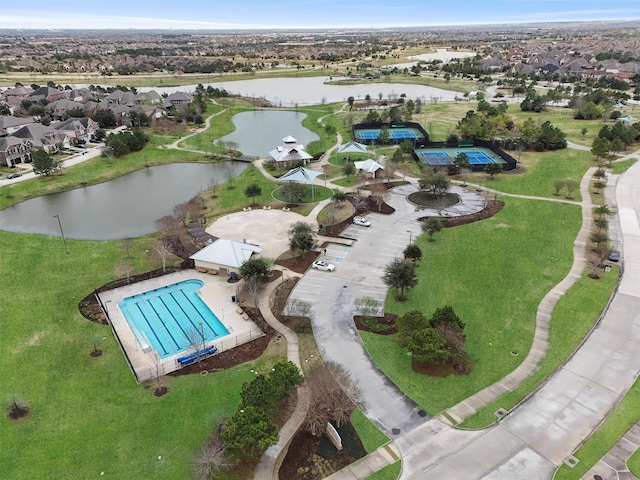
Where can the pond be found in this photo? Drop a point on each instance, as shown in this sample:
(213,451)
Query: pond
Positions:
(289,92)
(125,207)
(260,131)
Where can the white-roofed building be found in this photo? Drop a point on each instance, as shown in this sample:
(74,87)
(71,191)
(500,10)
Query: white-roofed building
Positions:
(372,168)
(224,256)
(290,154)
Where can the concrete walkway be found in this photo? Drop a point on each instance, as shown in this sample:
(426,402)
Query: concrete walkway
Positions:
(614,464)
(270,462)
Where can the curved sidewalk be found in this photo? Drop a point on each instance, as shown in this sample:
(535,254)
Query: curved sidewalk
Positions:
(274,455)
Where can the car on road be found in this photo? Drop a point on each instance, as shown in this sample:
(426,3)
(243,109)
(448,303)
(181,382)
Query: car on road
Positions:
(14,175)
(614,256)
(362,221)
(322,265)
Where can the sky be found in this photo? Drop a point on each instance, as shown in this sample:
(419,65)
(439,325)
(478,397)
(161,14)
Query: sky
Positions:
(288,14)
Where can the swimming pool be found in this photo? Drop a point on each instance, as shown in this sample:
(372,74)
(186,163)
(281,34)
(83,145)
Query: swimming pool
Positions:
(170,319)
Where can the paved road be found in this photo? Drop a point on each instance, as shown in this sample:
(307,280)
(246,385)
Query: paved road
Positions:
(542,433)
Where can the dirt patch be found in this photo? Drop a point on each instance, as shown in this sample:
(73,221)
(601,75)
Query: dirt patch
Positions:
(17,411)
(300,263)
(381,325)
(458,365)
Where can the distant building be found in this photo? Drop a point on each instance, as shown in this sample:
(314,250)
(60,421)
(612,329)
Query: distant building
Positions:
(290,154)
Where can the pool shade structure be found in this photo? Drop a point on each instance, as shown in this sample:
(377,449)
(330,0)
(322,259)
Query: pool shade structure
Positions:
(302,175)
(352,147)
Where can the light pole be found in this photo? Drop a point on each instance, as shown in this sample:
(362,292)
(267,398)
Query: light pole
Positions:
(64,240)
(409,232)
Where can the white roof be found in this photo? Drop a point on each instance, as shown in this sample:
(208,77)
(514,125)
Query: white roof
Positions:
(227,252)
(289,139)
(352,147)
(282,154)
(370,166)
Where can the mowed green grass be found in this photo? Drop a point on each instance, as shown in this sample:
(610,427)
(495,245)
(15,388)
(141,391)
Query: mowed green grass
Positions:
(494,274)
(87,415)
(540,171)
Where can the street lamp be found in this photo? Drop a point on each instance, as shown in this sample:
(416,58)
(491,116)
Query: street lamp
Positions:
(64,240)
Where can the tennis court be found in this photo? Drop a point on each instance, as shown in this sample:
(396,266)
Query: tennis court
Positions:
(478,157)
(398,134)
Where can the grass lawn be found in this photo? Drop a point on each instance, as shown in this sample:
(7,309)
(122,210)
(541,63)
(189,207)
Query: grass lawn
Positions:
(623,417)
(390,472)
(371,437)
(634,464)
(573,317)
(347,181)
(619,168)
(87,414)
(497,301)
(318,194)
(541,171)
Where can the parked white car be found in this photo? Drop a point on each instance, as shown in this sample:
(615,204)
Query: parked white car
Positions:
(322,265)
(363,222)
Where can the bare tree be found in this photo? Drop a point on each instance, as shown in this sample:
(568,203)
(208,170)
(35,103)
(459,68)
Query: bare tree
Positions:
(299,308)
(213,185)
(253,287)
(329,402)
(195,342)
(360,202)
(228,174)
(124,269)
(195,207)
(160,251)
(126,244)
(211,459)
(180,212)
(157,371)
(377,193)
(367,307)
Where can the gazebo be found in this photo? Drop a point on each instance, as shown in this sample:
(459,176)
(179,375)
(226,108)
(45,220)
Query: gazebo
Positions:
(301,175)
(352,147)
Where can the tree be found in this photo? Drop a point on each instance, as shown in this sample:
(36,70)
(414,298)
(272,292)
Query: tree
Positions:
(253,191)
(599,185)
(571,185)
(255,269)
(284,378)
(367,307)
(248,433)
(406,146)
(558,185)
(461,161)
(409,323)
(333,393)
(431,226)
(162,252)
(437,183)
(400,275)
(599,147)
(384,137)
(412,252)
(350,101)
(338,197)
(493,169)
(260,393)
(293,191)
(211,459)
(427,346)
(603,210)
(105,118)
(301,237)
(598,238)
(349,169)
(43,163)
(449,326)
(126,244)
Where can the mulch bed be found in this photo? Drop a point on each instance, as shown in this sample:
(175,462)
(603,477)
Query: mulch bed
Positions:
(492,208)
(389,320)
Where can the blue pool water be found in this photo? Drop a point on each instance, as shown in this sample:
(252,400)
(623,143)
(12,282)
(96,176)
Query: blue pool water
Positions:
(166,318)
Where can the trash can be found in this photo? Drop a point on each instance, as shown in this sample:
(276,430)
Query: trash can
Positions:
(233,298)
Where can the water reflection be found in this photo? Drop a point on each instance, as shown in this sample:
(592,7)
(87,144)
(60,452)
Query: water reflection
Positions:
(121,208)
(260,131)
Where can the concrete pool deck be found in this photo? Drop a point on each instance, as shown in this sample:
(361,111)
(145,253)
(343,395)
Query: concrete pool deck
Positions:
(216,293)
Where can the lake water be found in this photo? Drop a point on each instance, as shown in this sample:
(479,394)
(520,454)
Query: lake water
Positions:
(289,92)
(258,132)
(125,207)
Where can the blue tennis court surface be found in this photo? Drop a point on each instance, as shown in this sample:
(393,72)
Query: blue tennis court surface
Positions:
(169,319)
(446,157)
(394,134)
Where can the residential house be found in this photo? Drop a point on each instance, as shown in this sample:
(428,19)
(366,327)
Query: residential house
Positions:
(10,124)
(42,137)
(77,129)
(13,150)
(57,109)
(49,94)
(177,100)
